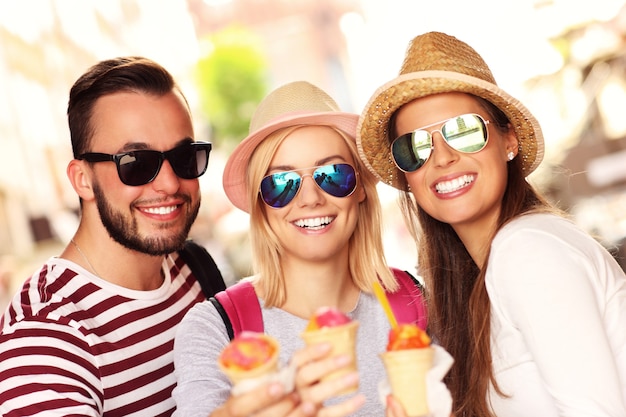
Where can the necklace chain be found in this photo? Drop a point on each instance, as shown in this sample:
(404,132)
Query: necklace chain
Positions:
(85,258)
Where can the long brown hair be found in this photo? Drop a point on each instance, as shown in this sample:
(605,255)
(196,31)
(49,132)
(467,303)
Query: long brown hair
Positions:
(458,303)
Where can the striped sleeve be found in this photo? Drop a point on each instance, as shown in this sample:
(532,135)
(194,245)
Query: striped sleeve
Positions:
(47,366)
(74,345)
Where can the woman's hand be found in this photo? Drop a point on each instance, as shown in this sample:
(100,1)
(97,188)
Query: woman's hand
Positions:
(312,364)
(394,408)
(266,400)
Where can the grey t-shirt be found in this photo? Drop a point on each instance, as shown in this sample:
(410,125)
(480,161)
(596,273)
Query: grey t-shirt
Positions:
(201,336)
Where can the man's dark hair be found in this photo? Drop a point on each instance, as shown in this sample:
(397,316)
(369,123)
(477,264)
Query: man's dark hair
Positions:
(124,74)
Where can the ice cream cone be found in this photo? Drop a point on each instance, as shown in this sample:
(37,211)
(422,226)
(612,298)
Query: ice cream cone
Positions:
(343,341)
(406,371)
(236,374)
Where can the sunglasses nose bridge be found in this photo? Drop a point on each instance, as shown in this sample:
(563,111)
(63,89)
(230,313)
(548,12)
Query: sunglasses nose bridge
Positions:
(443,153)
(308,193)
(170,158)
(439,135)
(304,176)
(165,172)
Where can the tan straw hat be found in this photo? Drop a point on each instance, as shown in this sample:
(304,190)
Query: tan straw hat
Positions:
(293,104)
(439,63)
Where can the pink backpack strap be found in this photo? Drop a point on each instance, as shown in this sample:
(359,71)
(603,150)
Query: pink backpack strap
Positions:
(408,302)
(239,307)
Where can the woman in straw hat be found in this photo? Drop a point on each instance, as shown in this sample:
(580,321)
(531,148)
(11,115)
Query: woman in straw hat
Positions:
(531,308)
(316,240)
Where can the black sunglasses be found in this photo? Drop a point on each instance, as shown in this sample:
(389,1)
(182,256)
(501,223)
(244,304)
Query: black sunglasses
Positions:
(277,190)
(466,133)
(141,167)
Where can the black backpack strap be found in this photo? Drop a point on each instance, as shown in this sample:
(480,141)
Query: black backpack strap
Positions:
(203,268)
(415,280)
(224,315)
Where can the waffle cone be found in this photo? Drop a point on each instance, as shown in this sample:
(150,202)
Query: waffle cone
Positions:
(406,371)
(343,341)
(238,375)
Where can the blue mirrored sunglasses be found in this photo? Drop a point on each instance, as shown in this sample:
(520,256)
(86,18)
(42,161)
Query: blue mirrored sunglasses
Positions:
(278,189)
(466,133)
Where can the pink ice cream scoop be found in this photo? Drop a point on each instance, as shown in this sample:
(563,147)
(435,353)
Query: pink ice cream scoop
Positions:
(327,317)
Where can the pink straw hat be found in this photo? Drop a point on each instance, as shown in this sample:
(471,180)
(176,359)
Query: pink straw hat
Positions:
(439,63)
(294,104)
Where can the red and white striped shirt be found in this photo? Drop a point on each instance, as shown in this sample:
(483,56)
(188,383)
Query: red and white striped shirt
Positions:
(74,344)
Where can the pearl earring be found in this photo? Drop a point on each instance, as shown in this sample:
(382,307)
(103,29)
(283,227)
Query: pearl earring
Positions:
(510,155)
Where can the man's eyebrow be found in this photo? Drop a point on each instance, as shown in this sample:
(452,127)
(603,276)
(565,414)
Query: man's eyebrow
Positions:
(134,146)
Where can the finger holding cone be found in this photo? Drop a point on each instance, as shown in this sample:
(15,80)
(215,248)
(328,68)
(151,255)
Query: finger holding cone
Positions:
(331,326)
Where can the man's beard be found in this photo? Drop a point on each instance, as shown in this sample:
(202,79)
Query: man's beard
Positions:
(125,231)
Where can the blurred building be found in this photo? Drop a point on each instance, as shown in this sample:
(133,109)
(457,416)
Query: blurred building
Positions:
(589,175)
(301,39)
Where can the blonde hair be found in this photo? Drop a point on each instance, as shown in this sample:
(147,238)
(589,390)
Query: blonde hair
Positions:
(366,256)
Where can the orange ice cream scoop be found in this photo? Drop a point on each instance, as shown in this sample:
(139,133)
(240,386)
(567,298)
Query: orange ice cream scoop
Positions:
(407,336)
(248,351)
(408,359)
(327,317)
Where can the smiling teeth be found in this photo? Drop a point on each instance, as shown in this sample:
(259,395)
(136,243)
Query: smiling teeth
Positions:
(315,223)
(455,184)
(160,210)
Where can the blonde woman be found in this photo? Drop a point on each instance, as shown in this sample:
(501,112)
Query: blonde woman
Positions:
(315,227)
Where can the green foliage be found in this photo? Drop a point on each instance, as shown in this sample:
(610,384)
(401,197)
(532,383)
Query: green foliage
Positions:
(232,81)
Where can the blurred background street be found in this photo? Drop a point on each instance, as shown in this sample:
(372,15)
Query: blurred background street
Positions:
(565,59)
